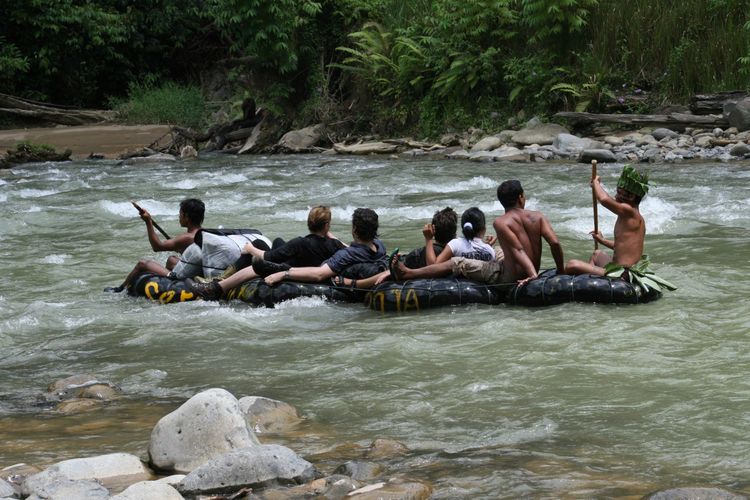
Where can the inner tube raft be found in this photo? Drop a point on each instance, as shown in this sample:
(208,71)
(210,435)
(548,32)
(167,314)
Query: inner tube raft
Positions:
(254,292)
(549,288)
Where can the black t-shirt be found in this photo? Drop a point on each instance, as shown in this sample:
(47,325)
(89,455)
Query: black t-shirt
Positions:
(307,251)
(416,258)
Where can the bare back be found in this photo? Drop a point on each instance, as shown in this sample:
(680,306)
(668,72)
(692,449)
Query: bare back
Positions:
(519,232)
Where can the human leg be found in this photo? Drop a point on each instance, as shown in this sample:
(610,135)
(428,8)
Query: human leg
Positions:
(580,267)
(489,272)
(143,266)
(402,273)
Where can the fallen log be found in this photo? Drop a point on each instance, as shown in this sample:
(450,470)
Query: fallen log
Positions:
(672,120)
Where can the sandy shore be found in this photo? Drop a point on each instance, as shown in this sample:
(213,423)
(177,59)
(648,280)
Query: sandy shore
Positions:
(108,140)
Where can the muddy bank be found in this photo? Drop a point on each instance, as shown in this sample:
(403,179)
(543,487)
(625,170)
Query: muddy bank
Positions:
(108,140)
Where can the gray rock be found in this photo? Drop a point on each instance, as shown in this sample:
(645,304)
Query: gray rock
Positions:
(52,485)
(600,155)
(482,156)
(269,415)
(360,470)
(717,132)
(572,143)
(652,155)
(613,140)
(661,133)
(703,140)
(450,140)
(256,467)
(148,160)
(672,157)
(331,487)
(509,153)
(7,490)
(487,143)
(298,141)
(188,153)
(543,133)
(114,467)
(740,149)
(646,140)
(386,448)
(633,137)
(149,490)
(459,154)
(413,153)
(738,114)
(207,425)
(694,494)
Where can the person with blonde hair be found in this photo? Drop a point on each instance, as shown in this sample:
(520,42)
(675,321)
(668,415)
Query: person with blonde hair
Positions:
(303,251)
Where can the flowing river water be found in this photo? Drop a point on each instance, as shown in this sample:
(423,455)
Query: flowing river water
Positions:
(576,400)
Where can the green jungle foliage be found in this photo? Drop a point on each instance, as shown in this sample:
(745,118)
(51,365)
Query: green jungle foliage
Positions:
(168,103)
(394,66)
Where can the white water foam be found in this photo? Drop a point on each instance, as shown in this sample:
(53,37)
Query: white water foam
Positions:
(55,259)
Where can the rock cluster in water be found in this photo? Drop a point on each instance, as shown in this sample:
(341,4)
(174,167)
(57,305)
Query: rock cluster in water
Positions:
(206,448)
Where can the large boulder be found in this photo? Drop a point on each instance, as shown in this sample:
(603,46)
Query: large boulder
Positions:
(302,140)
(6,489)
(542,133)
(661,133)
(256,467)
(738,114)
(209,424)
(268,415)
(600,155)
(83,386)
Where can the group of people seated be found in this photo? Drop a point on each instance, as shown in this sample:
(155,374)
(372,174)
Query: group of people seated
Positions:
(512,256)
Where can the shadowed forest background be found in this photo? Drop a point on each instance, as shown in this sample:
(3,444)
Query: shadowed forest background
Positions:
(386,66)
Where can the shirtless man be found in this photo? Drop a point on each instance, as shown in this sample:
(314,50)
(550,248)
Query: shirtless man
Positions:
(630,228)
(191,217)
(519,232)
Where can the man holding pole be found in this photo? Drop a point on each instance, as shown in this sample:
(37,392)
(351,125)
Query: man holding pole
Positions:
(192,211)
(630,228)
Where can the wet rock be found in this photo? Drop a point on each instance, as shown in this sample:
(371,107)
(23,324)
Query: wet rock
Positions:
(703,140)
(413,153)
(269,415)
(613,140)
(16,474)
(694,494)
(386,448)
(77,405)
(173,479)
(360,470)
(330,487)
(459,154)
(255,467)
(661,133)
(149,490)
(84,386)
(302,140)
(208,424)
(600,155)
(51,484)
(482,156)
(394,489)
(717,132)
(509,153)
(450,140)
(646,140)
(543,133)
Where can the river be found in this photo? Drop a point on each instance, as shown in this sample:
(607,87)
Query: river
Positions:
(576,400)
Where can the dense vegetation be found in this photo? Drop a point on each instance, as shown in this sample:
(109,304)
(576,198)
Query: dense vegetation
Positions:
(419,65)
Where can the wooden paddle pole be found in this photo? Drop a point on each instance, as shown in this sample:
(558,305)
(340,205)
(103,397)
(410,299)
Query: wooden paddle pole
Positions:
(157,226)
(596,204)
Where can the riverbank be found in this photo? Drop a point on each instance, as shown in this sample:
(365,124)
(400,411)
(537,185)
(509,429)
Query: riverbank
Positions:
(109,141)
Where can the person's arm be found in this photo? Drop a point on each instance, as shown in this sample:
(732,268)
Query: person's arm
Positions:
(601,239)
(446,254)
(428,231)
(333,237)
(554,245)
(309,274)
(608,202)
(159,245)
